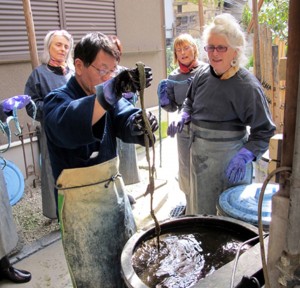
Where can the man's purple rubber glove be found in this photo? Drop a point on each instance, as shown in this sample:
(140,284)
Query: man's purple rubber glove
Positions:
(19,102)
(162,93)
(177,127)
(128,95)
(110,92)
(236,168)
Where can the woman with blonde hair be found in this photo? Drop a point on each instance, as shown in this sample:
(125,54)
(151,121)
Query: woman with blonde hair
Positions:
(172,92)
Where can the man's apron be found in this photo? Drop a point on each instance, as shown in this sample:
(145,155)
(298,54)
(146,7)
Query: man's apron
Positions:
(96,222)
(211,151)
(8,231)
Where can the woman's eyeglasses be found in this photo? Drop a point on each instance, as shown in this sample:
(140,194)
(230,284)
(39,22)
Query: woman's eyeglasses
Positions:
(183,49)
(211,48)
(103,72)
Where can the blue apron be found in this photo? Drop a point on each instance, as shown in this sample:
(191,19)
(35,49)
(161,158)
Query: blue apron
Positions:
(211,151)
(96,222)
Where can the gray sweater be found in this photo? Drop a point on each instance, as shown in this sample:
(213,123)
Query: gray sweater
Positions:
(237,101)
(40,82)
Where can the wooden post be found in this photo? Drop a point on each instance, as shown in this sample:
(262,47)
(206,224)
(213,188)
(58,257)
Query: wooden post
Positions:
(201,15)
(250,26)
(256,48)
(284,228)
(292,82)
(31,34)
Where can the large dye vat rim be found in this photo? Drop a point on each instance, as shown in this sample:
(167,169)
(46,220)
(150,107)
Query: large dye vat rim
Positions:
(131,278)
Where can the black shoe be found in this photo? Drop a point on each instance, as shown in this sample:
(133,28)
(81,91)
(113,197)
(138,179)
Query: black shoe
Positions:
(15,275)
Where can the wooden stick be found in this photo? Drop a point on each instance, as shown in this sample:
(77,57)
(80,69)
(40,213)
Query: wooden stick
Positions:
(31,34)
(250,26)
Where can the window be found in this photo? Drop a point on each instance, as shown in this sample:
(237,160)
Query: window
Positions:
(77,16)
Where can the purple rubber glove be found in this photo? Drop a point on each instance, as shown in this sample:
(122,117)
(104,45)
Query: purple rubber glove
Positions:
(177,127)
(137,125)
(172,129)
(184,119)
(162,93)
(236,168)
(128,95)
(110,92)
(18,102)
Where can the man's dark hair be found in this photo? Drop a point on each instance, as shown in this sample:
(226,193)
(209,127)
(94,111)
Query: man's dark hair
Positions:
(90,45)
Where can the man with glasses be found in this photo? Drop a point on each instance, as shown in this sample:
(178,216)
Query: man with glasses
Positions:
(83,120)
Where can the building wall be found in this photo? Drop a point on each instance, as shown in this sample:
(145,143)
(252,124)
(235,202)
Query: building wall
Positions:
(141,30)
(140,26)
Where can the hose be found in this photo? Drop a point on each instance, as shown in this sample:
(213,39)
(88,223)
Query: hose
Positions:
(260,224)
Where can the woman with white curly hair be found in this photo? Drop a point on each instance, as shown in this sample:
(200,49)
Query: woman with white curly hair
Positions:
(222,101)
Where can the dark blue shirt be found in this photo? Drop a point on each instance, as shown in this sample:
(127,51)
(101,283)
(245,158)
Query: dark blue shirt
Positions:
(72,140)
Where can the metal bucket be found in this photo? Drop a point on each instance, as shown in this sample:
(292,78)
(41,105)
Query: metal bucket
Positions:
(221,224)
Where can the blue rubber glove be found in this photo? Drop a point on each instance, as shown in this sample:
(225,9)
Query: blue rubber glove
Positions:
(236,168)
(162,93)
(18,102)
(111,91)
(137,126)
(177,126)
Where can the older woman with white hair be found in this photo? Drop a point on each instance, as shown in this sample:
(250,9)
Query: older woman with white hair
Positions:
(223,100)
(55,70)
